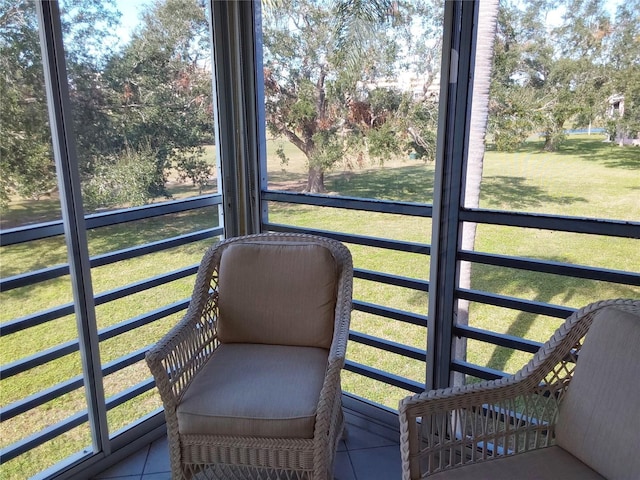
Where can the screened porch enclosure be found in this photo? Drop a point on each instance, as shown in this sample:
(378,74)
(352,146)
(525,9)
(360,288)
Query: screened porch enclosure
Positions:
(466,256)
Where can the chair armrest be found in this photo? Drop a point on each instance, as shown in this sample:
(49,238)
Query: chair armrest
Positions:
(329,415)
(442,429)
(183,351)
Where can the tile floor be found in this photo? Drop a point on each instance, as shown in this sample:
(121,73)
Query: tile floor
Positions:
(368,452)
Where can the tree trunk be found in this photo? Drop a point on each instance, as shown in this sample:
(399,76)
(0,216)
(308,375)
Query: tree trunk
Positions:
(549,143)
(315,181)
(487,19)
(553,138)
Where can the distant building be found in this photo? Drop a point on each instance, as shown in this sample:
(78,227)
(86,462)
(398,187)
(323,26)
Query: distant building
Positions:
(616,106)
(426,87)
(616,110)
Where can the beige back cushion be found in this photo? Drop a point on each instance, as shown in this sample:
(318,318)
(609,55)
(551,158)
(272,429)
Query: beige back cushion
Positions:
(277,293)
(599,419)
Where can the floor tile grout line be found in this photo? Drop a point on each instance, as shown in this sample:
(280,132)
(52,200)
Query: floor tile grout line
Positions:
(353,469)
(347,449)
(146,459)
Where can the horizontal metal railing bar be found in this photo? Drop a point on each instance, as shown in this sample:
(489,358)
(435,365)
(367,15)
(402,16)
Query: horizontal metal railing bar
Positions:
(529,306)
(32,278)
(124,361)
(130,393)
(500,339)
(32,441)
(141,320)
(54,228)
(40,358)
(388,312)
(557,268)
(383,376)
(49,433)
(67,309)
(352,203)
(153,247)
(30,233)
(595,226)
(67,386)
(484,373)
(34,319)
(388,346)
(388,279)
(142,212)
(10,369)
(141,286)
(40,398)
(397,245)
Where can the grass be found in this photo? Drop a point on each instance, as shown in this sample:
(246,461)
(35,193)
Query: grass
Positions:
(586,178)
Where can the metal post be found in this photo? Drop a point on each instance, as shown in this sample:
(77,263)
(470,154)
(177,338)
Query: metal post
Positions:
(59,106)
(236,113)
(260,119)
(453,141)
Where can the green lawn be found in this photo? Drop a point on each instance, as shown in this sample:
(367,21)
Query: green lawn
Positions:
(586,178)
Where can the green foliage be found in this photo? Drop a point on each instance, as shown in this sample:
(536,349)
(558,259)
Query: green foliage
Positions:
(163,94)
(322,61)
(546,78)
(280,153)
(154,95)
(625,63)
(383,142)
(328,150)
(25,153)
(25,150)
(421,124)
(191,165)
(384,104)
(511,121)
(123,180)
(303,109)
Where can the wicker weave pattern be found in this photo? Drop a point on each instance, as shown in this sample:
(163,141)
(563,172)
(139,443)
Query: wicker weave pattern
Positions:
(176,359)
(447,428)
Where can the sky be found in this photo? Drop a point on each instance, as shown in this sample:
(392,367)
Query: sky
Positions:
(130,10)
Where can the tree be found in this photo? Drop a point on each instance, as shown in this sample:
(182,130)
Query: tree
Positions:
(485,44)
(576,74)
(26,159)
(624,65)
(139,110)
(25,146)
(510,120)
(546,76)
(160,90)
(323,64)
(307,84)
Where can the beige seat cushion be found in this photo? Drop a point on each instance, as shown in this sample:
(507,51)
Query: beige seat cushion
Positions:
(599,419)
(255,390)
(277,293)
(552,463)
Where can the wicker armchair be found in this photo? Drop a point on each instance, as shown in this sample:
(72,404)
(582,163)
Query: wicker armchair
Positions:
(250,378)
(554,419)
